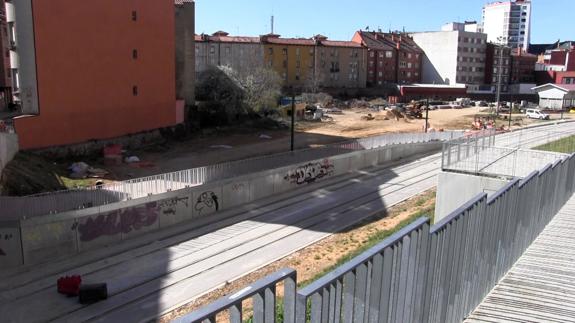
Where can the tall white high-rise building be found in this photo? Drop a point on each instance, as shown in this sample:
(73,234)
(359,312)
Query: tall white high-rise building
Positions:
(508,23)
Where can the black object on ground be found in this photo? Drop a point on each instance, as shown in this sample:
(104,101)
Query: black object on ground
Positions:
(92,293)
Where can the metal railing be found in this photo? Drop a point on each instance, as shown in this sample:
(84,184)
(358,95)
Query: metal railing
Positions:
(494,161)
(437,274)
(264,300)
(75,199)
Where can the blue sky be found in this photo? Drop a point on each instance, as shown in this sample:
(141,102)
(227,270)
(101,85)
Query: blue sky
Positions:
(338,19)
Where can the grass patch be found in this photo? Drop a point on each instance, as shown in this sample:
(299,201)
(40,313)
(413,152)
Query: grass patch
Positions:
(373,240)
(565,145)
(77,183)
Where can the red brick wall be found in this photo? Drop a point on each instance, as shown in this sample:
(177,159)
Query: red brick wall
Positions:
(87,74)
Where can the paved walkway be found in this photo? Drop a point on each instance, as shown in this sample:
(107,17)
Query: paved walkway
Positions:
(541,285)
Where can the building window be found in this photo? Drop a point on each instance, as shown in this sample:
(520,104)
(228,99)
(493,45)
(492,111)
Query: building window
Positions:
(271,51)
(417,56)
(297,64)
(297,77)
(135,90)
(228,50)
(380,55)
(371,54)
(388,54)
(409,65)
(380,74)
(285,51)
(297,51)
(134,15)
(311,51)
(285,64)
(212,50)
(135,54)
(284,76)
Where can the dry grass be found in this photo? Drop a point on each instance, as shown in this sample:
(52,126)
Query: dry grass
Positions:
(315,260)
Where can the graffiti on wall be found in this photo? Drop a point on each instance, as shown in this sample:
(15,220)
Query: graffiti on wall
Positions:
(119,221)
(128,220)
(170,206)
(206,202)
(310,172)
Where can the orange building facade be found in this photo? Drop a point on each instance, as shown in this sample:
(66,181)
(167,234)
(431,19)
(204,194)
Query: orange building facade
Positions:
(104,69)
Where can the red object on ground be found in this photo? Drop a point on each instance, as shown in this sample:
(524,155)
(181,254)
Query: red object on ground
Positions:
(69,285)
(113,150)
(113,155)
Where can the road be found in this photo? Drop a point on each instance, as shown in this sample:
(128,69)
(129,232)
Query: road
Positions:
(151,279)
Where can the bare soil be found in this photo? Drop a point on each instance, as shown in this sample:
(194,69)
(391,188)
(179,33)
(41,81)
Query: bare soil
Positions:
(315,259)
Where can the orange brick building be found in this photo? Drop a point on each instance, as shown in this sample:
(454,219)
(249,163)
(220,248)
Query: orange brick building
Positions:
(104,69)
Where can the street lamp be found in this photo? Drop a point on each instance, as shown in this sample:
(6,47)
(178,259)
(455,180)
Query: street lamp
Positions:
(500,74)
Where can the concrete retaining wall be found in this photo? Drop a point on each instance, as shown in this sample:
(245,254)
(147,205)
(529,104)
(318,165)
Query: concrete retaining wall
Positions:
(8,148)
(454,189)
(65,234)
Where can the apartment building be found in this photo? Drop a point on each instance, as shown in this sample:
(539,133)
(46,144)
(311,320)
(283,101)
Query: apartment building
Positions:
(508,23)
(185,13)
(242,54)
(452,57)
(311,63)
(391,57)
(94,70)
(522,66)
(5,71)
(497,66)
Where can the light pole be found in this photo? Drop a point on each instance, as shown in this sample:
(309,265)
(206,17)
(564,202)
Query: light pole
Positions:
(500,74)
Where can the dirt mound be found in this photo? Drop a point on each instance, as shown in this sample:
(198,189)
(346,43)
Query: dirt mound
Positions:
(30,174)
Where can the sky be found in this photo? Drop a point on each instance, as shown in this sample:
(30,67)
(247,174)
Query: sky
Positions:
(339,19)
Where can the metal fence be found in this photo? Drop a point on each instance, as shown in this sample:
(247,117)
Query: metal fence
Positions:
(437,274)
(532,137)
(75,199)
(494,161)
(265,301)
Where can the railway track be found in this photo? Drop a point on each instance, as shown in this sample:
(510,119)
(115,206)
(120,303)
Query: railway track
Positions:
(154,278)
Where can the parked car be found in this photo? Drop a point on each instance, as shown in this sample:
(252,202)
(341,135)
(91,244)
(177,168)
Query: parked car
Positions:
(536,114)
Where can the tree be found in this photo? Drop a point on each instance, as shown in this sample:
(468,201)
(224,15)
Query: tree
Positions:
(262,89)
(228,93)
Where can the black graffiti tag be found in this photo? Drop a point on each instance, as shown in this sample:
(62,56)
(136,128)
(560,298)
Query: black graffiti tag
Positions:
(207,201)
(310,172)
(169,206)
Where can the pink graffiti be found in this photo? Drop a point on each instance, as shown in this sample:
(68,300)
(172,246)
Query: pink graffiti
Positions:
(120,221)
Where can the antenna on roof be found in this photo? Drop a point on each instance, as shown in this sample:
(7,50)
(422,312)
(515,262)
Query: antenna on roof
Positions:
(272,24)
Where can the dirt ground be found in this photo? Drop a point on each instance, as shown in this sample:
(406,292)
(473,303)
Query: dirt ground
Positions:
(314,260)
(245,143)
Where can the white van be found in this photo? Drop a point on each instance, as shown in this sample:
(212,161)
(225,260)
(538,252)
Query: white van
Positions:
(536,114)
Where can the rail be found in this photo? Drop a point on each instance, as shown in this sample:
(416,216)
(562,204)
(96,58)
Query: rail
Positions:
(264,299)
(439,273)
(494,161)
(76,199)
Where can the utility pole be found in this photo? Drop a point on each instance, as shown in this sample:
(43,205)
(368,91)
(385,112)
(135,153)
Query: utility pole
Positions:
(292,118)
(426,115)
(500,74)
(510,111)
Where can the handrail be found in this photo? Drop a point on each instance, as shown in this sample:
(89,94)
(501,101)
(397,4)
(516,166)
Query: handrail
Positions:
(366,255)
